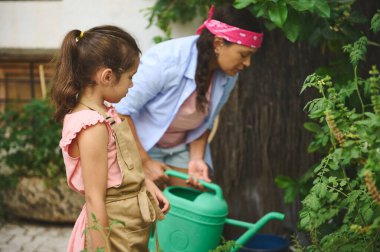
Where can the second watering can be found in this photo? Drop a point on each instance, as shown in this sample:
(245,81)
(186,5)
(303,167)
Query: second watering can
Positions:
(196,219)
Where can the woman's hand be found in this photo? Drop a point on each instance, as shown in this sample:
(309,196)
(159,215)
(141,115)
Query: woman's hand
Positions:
(198,169)
(155,171)
(161,200)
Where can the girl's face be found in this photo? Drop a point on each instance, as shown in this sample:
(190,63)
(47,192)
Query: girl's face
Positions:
(233,58)
(120,88)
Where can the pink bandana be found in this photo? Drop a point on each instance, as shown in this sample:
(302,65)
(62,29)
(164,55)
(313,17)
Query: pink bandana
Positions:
(231,33)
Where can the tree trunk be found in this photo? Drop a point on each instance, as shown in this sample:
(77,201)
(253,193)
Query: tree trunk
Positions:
(261,132)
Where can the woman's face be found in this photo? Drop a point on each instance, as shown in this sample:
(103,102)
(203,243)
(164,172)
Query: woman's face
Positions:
(233,58)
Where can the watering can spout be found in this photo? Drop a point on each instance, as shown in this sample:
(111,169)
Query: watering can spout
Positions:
(269,216)
(253,228)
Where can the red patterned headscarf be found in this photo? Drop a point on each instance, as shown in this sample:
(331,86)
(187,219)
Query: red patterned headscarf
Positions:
(231,33)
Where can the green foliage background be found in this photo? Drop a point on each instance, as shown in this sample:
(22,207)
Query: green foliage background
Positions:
(340,200)
(29,141)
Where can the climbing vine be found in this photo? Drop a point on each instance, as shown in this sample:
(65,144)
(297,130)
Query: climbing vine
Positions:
(341,210)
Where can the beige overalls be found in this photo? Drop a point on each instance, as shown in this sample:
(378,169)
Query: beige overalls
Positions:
(130,202)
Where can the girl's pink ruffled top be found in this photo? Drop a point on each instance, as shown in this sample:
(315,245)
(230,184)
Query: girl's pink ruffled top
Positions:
(72,125)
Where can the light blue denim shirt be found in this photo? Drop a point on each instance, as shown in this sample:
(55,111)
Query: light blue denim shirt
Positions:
(164,79)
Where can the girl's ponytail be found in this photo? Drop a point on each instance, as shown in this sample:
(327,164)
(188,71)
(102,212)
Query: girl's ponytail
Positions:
(66,81)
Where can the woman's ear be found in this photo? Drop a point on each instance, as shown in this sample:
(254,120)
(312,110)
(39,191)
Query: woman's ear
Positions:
(218,44)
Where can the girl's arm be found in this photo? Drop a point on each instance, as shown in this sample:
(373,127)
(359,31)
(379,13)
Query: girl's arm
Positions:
(198,168)
(92,143)
(161,200)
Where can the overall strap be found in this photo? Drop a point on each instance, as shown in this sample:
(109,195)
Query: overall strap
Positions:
(96,108)
(119,134)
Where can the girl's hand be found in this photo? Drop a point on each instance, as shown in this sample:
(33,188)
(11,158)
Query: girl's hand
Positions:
(161,200)
(198,169)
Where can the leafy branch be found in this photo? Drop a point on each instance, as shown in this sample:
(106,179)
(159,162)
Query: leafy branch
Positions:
(104,231)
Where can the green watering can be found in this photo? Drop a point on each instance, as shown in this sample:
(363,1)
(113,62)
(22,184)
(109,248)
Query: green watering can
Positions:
(196,219)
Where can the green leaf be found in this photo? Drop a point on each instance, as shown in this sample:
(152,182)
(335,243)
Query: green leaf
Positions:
(240,4)
(93,217)
(322,8)
(290,195)
(368,214)
(259,9)
(343,183)
(313,202)
(333,180)
(375,22)
(322,190)
(292,27)
(284,181)
(333,197)
(269,25)
(302,5)
(278,13)
(312,127)
(313,146)
(305,220)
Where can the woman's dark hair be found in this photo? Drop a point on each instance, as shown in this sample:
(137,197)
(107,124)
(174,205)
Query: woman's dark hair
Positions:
(227,14)
(82,54)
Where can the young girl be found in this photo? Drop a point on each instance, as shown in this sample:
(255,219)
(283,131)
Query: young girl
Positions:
(101,158)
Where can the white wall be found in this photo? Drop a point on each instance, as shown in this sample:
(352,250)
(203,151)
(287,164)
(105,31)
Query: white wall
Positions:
(43,24)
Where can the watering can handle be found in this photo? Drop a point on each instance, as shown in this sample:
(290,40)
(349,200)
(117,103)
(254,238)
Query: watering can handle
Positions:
(253,228)
(211,186)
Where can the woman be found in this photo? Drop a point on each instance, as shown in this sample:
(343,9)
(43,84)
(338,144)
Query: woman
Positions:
(181,86)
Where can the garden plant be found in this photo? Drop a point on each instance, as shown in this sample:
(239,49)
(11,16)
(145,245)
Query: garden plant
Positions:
(341,210)
(340,198)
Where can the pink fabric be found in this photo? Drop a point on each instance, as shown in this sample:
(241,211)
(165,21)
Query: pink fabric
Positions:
(72,125)
(77,239)
(231,33)
(187,118)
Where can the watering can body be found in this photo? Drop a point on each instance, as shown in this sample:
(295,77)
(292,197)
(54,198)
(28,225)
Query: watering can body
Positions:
(196,219)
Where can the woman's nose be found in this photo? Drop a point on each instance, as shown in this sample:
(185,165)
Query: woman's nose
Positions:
(247,62)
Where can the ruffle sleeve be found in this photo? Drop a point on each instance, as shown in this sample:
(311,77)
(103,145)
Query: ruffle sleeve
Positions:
(75,123)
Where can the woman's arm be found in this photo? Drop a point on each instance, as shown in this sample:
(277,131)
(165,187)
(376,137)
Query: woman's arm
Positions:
(154,170)
(198,168)
(92,144)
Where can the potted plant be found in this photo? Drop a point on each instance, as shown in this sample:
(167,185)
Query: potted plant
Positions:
(31,167)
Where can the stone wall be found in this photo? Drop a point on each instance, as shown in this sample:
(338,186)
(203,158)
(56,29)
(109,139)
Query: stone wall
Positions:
(35,199)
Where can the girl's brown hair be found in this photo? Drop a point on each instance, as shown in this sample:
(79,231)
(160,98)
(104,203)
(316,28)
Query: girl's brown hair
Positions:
(227,14)
(81,54)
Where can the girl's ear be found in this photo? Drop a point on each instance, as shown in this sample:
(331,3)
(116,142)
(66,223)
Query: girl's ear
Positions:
(106,76)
